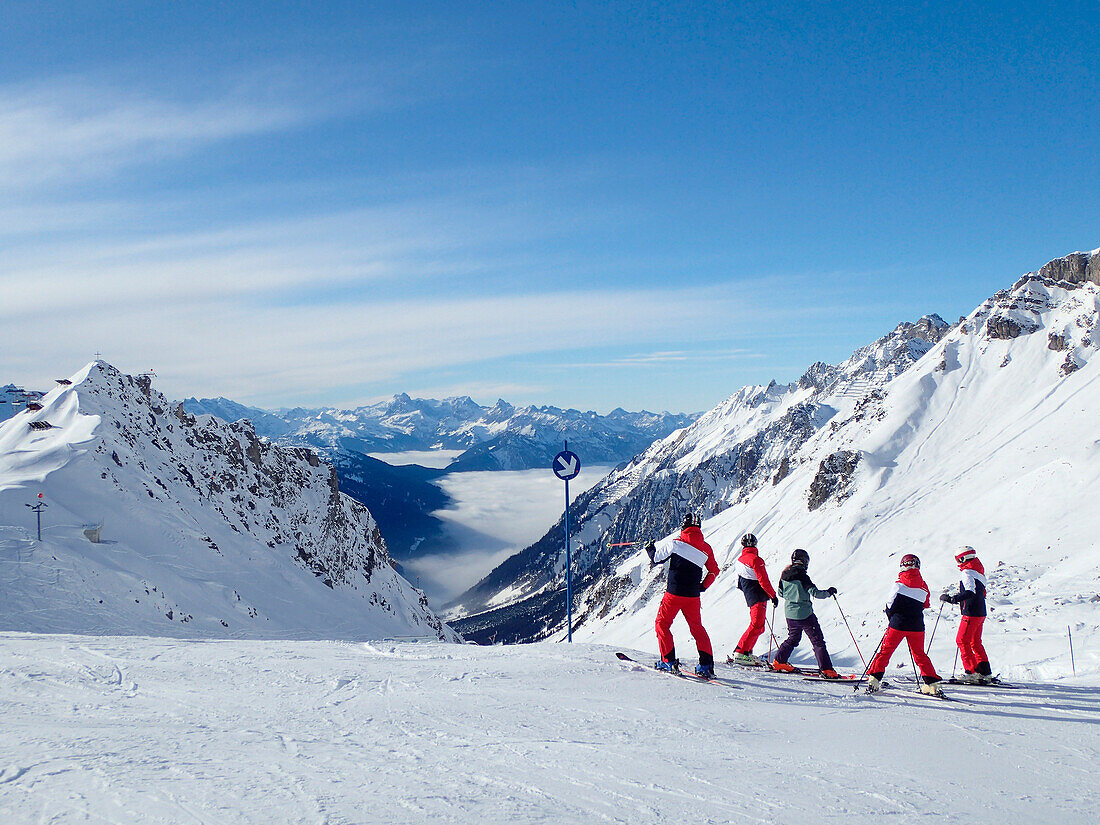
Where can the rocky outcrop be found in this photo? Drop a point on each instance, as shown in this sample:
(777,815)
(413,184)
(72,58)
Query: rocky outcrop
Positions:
(1073,269)
(833,479)
(1005,328)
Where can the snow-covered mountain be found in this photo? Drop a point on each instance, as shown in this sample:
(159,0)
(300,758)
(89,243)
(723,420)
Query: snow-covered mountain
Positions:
(165,524)
(502,437)
(981,433)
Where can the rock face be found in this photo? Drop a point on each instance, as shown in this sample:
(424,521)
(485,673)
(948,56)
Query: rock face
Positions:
(1074,269)
(1006,328)
(833,479)
(202,507)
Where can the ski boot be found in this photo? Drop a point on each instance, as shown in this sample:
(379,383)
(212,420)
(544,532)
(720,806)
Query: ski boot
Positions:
(704,671)
(875,682)
(672,666)
(932,688)
(829,673)
(971,678)
(783,667)
(740,658)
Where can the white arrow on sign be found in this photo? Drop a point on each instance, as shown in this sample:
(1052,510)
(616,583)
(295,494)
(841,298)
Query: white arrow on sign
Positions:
(567,468)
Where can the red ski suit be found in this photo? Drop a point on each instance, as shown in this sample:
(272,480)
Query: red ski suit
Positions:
(686,579)
(752,579)
(908,600)
(972,599)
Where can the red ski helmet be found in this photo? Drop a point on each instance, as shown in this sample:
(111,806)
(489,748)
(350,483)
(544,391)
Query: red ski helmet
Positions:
(966,553)
(910,562)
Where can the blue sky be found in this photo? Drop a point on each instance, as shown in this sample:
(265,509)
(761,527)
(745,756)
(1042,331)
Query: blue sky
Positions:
(584,204)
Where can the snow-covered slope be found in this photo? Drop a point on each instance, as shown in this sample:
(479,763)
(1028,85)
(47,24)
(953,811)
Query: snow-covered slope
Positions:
(207,530)
(129,731)
(983,435)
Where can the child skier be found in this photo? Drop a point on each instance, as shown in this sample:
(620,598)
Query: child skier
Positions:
(752,580)
(971,597)
(796,589)
(905,607)
(689,557)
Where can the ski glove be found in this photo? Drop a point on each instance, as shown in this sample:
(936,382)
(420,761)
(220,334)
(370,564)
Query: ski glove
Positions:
(946,597)
(650,549)
(831,591)
(775,601)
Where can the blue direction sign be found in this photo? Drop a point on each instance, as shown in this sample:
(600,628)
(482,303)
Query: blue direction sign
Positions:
(566,465)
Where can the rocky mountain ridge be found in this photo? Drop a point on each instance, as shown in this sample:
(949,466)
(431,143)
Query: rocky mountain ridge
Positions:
(807,463)
(210,528)
(500,437)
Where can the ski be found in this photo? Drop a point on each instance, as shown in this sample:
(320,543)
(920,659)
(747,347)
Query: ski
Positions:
(998,684)
(846,677)
(890,690)
(683,674)
(760,665)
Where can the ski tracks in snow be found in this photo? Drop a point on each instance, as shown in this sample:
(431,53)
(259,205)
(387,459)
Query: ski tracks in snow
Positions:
(343,734)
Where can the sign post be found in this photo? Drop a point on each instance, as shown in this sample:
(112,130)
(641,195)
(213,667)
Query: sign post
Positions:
(567,466)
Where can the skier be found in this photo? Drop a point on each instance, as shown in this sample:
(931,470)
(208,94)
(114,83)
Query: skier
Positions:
(971,597)
(689,557)
(905,607)
(796,589)
(752,580)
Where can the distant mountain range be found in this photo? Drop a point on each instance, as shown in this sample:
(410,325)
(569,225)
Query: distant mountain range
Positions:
(980,432)
(500,437)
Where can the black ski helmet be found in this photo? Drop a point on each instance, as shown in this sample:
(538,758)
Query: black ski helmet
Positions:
(910,562)
(800,556)
(748,540)
(689,521)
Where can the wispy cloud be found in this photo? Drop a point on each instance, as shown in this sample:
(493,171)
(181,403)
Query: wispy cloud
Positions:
(71,130)
(671,357)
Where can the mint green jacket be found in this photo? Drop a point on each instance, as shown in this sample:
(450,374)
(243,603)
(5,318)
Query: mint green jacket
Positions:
(796,589)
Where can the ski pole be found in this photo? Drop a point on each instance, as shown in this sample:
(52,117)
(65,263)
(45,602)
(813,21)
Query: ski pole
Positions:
(956,663)
(912,658)
(850,633)
(859,681)
(775,639)
(937,624)
(771,633)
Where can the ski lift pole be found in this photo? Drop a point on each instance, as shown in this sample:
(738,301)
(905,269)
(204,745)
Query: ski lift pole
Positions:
(850,633)
(38,508)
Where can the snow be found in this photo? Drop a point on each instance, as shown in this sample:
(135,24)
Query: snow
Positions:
(982,441)
(207,530)
(140,730)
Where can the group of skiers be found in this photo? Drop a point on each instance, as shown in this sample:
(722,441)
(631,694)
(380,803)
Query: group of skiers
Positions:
(692,569)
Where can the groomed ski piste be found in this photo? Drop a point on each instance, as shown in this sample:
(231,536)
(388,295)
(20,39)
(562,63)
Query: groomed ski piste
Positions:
(144,730)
